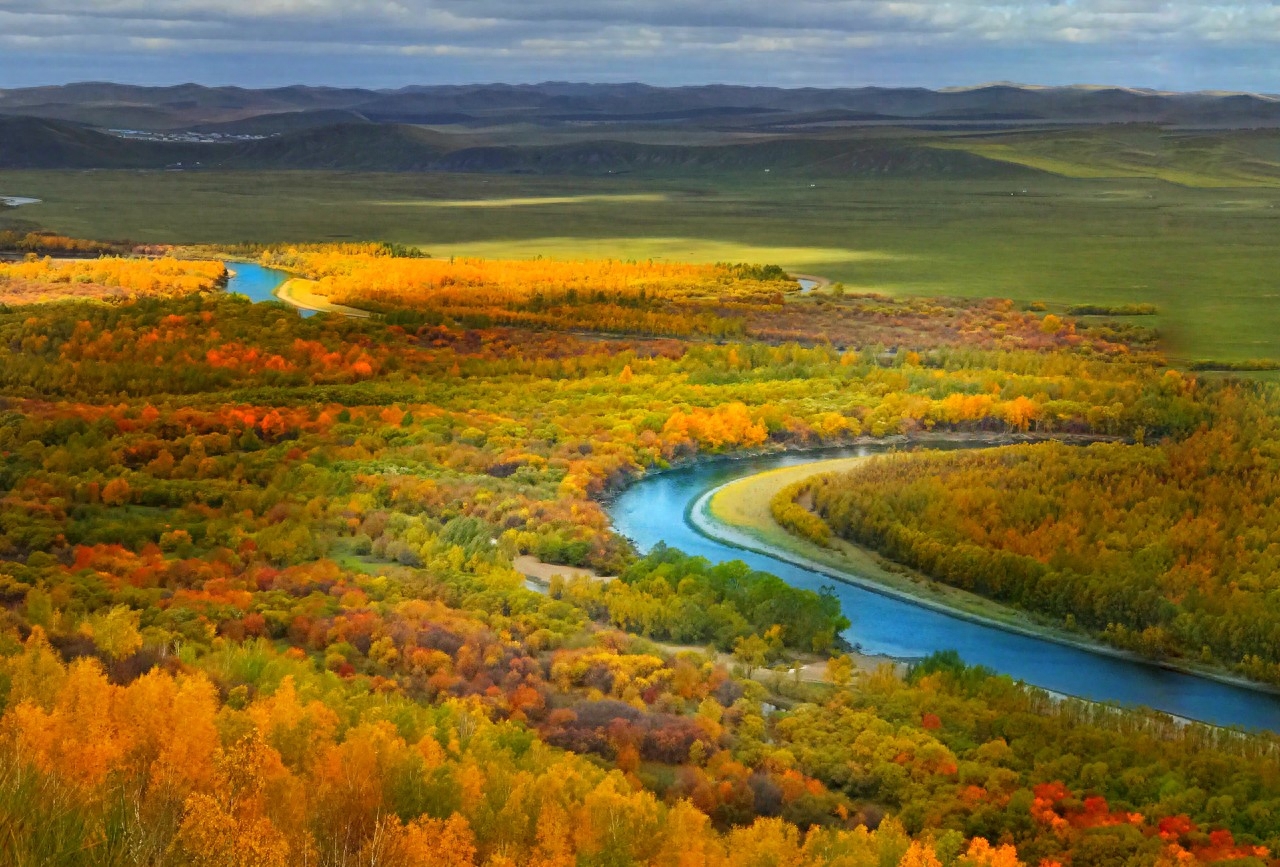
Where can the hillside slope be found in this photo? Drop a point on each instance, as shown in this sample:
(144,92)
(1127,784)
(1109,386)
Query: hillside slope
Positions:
(558,103)
(37,143)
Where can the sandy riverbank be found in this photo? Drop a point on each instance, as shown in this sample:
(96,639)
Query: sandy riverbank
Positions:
(533,568)
(738,514)
(300,293)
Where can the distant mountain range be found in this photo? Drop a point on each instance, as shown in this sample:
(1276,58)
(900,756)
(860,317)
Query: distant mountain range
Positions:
(558,128)
(190,105)
(36,143)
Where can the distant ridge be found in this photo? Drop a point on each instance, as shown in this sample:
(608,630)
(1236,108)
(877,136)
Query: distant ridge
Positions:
(38,143)
(568,128)
(1149,91)
(188,106)
(44,144)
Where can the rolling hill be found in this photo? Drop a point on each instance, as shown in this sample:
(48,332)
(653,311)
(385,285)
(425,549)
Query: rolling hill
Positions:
(29,143)
(998,130)
(37,143)
(189,105)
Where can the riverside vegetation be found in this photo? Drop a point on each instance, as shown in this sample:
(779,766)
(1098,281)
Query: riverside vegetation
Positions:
(259,605)
(1168,549)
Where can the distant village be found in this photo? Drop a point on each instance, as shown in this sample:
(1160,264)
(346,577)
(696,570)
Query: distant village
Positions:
(186,137)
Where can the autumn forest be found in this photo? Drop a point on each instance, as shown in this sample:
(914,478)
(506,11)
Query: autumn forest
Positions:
(266,593)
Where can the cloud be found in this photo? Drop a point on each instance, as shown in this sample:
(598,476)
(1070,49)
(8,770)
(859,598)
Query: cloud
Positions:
(814,41)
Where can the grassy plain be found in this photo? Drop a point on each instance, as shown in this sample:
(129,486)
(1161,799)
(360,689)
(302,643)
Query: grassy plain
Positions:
(1208,160)
(1206,256)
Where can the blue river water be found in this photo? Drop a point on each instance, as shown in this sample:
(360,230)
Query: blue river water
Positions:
(257,283)
(655,510)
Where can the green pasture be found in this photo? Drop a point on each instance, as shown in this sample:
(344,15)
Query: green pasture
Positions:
(1239,158)
(1206,255)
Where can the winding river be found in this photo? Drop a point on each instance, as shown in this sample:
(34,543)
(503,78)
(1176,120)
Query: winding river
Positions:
(254,281)
(656,508)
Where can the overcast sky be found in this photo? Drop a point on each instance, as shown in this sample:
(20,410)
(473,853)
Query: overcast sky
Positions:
(1183,45)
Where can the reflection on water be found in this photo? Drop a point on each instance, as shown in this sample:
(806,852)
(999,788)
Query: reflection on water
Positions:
(653,510)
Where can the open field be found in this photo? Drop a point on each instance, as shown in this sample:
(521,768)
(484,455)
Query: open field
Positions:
(1205,256)
(1241,159)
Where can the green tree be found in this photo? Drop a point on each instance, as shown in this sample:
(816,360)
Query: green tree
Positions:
(752,651)
(114,632)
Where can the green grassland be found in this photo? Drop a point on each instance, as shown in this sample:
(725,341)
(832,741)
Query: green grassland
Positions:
(1192,159)
(1204,253)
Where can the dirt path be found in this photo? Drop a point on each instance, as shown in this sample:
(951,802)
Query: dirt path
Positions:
(813,669)
(533,568)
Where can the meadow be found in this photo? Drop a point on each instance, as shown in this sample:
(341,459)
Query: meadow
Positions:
(1204,256)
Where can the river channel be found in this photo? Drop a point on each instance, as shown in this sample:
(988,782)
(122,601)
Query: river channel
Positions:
(656,509)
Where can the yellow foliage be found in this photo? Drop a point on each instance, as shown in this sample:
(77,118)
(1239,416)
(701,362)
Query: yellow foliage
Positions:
(36,675)
(347,275)
(766,843)
(919,855)
(728,425)
(228,825)
(212,836)
(37,280)
(688,841)
(983,854)
(605,294)
(422,843)
(295,730)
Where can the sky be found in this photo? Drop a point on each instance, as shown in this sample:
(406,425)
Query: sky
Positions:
(824,43)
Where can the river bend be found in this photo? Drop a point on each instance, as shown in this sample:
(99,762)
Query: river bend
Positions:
(656,509)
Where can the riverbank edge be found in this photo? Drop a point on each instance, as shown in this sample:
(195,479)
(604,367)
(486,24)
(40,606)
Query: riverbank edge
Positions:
(990,438)
(698,516)
(750,498)
(297,297)
(293,291)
